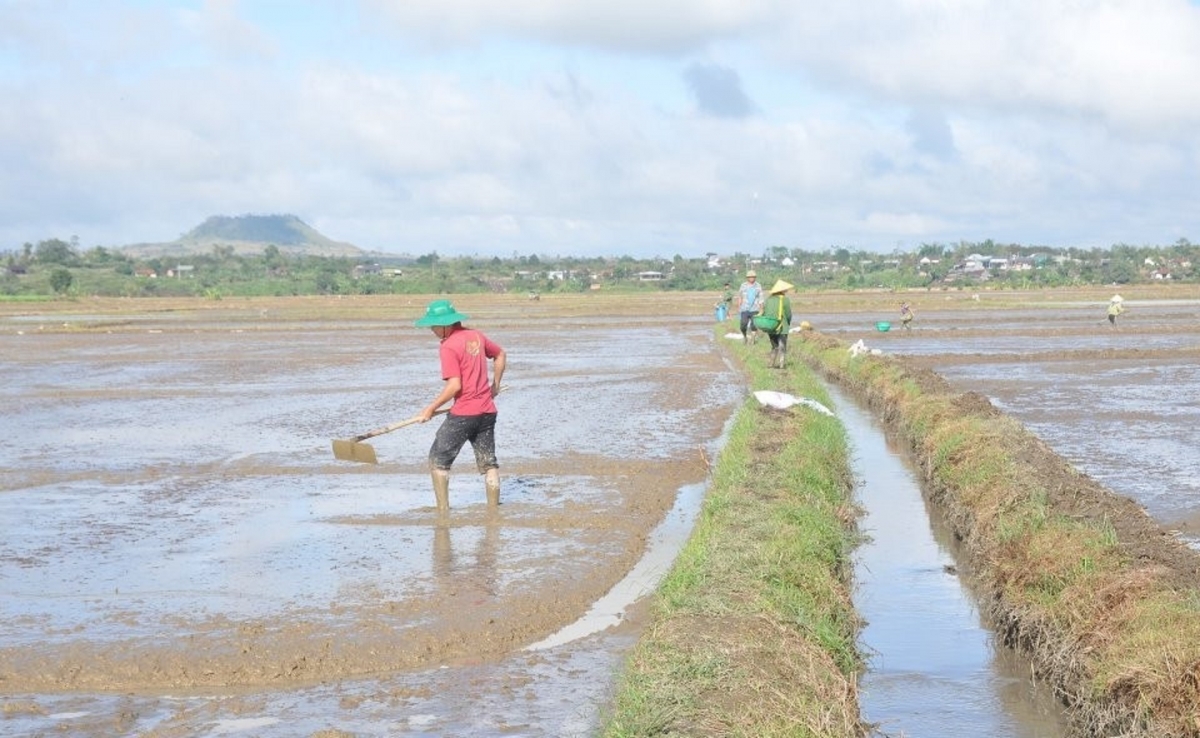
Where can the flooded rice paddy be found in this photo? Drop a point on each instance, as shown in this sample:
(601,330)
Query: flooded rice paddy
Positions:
(1121,403)
(184,557)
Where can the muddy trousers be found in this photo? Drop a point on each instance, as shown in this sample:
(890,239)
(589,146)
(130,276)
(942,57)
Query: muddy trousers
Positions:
(746,320)
(778,350)
(456,431)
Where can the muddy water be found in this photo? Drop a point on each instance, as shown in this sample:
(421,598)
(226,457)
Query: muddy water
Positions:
(182,556)
(934,668)
(1121,403)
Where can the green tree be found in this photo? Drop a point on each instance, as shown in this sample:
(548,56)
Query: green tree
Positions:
(1120,271)
(61,280)
(54,251)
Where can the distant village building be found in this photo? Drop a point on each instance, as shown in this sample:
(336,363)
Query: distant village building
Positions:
(650,276)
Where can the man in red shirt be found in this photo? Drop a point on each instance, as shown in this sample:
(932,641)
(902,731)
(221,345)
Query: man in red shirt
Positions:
(464,354)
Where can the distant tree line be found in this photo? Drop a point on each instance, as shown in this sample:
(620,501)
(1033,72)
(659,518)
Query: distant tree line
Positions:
(55,267)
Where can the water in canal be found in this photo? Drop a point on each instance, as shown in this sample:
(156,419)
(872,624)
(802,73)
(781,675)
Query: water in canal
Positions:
(935,670)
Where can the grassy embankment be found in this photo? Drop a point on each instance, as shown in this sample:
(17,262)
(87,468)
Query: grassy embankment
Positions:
(754,630)
(1105,604)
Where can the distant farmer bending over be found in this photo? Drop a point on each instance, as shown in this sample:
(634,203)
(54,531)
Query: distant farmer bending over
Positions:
(1116,306)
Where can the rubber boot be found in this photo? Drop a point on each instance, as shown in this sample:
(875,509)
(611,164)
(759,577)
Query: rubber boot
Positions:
(441,490)
(774,361)
(491,482)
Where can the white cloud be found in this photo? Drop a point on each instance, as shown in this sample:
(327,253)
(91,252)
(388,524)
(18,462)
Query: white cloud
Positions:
(901,224)
(661,26)
(1129,62)
(219,27)
(569,127)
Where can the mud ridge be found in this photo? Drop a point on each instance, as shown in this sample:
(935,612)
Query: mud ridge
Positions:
(1153,554)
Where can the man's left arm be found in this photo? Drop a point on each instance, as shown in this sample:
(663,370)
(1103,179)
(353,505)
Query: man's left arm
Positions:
(499,362)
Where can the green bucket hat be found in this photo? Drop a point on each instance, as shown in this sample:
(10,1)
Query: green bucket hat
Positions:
(440,312)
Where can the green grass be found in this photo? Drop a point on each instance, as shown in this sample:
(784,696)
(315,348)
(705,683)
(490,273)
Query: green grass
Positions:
(754,632)
(1107,629)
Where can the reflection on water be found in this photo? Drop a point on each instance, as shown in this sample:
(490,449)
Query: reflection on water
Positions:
(472,576)
(641,580)
(933,669)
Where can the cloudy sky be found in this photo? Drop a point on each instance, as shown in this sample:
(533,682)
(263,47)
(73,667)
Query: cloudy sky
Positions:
(625,127)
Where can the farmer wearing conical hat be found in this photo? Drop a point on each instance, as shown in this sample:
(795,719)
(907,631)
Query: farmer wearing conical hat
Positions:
(777,312)
(464,355)
(1116,306)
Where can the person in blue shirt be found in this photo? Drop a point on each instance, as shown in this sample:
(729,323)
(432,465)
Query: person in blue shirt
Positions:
(750,301)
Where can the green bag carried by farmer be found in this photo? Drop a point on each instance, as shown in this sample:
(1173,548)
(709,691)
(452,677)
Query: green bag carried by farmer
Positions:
(777,312)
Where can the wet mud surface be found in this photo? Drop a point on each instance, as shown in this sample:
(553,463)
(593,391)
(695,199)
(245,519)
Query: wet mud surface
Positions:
(182,555)
(1120,403)
(176,524)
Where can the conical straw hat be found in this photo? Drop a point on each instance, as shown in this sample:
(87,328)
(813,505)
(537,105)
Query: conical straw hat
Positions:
(781,286)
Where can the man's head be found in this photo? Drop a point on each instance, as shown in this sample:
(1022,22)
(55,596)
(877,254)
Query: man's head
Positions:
(751,275)
(440,314)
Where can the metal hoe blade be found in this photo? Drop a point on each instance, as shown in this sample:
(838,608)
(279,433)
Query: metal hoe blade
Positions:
(347,450)
(353,449)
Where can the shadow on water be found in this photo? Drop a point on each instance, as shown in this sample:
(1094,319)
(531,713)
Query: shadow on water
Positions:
(934,669)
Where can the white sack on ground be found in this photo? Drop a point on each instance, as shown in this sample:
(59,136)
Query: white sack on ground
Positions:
(860,347)
(783,401)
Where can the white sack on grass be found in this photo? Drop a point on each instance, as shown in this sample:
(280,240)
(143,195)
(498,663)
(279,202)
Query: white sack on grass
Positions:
(732,336)
(783,401)
(860,347)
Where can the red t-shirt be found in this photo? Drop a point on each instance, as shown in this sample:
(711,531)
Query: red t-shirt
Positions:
(465,354)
